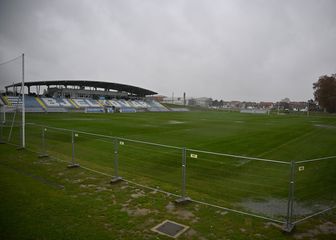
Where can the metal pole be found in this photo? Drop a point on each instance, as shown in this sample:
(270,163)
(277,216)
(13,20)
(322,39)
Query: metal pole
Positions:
(73,164)
(183,198)
(23,105)
(73,146)
(278,108)
(116,177)
(3,120)
(43,144)
(1,132)
(115,157)
(289,222)
(183,173)
(21,138)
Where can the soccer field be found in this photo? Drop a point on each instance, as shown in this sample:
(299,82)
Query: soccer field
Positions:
(218,145)
(276,137)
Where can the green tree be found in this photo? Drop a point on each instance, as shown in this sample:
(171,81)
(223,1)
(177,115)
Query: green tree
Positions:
(325,92)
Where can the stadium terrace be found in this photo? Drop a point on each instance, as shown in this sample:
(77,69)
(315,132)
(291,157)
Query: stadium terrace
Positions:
(82,96)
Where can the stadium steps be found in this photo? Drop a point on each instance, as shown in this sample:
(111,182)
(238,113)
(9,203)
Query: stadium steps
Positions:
(14,100)
(73,103)
(100,104)
(41,103)
(6,101)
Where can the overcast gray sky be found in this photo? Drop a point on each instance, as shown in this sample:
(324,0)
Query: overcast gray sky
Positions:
(259,50)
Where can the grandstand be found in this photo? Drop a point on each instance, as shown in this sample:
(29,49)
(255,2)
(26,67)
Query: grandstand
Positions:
(81,96)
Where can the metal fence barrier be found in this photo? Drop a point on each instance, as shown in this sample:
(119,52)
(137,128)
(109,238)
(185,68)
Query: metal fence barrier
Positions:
(285,192)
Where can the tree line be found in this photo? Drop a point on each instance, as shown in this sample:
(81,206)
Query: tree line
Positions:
(325,92)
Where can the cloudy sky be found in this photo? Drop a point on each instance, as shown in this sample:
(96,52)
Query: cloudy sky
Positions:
(259,50)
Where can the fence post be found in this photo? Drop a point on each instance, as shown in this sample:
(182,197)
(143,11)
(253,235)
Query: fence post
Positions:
(183,198)
(43,144)
(289,226)
(73,164)
(116,177)
(21,144)
(1,133)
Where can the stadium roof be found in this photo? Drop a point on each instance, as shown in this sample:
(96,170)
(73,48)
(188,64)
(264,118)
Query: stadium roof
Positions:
(85,83)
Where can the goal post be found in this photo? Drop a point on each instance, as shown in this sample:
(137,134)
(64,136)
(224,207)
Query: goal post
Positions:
(12,100)
(23,115)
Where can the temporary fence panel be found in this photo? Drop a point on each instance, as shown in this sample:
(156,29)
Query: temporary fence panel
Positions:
(94,152)
(12,133)
(284,192)
(59,144)
(36,138)
(252,186)
(315,184)
(154,165)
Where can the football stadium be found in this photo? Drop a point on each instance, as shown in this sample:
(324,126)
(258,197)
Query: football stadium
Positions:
(81,96)
(189,120)
(277,169)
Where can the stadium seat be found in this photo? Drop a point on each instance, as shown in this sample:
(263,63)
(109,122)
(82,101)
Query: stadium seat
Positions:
(81,103)
(93,103)
(50,102)
(115,103)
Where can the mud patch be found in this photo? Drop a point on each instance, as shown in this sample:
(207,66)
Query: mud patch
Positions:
(181,213)
(87,186)
(90,178)
(138,194)
(153,192)
(325,228)
(77,181)
(136,212)
(191,233)
(101,189)
(221,212)
(108,226)
(170,207)
(272,224)
(124,186)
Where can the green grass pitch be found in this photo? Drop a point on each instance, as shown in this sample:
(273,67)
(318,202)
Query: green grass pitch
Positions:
(237,183)
(221,180)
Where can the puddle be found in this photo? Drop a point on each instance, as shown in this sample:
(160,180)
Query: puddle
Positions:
(278,207)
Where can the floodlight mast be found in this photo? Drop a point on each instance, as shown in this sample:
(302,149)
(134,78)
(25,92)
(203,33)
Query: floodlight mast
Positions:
(23,104)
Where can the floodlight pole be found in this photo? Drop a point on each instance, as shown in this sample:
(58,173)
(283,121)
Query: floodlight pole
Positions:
(23,104)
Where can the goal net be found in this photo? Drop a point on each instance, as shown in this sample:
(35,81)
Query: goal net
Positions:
(12,111)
